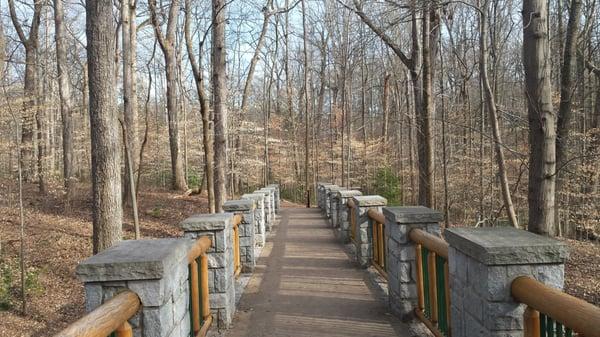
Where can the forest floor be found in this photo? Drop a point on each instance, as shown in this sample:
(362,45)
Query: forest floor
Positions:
(56,240)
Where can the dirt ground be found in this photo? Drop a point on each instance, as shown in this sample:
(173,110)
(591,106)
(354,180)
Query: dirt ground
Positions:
(56,240)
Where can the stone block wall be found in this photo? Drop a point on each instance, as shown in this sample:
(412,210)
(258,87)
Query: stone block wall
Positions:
(363,240)
(483,263)
(156,270)
(328,190)
(221,279)
(259,217)
(335,205)
(400,254)
(245,231)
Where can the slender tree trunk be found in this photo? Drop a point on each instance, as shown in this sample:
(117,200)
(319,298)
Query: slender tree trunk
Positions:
(129,93)
(306,106)
(542,119)
(565,115)
(424,122)
(220,100)
(493,114)
(31,44)
(167,45)
(207,140)
(66,106)
(106,160)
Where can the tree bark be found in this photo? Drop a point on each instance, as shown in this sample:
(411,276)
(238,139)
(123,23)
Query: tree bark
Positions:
(106,159)
(542,119)
(219,78)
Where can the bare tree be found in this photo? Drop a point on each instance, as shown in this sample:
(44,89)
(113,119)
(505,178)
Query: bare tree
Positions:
(490,102)
(66,105)
(31,44)
(542,118)
(167,45)
(106,159)
(204,106)
(219,82)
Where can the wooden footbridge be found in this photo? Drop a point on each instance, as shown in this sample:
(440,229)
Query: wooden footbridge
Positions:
(262,270)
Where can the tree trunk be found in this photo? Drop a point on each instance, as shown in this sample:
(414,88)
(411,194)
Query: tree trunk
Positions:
(167,45)
(306,106)
(207,141)
(66,106)
(493,114)
(128,28)
(106,160)
(30,43)
(219,82)
(565,115)
(542,119)
(424,123)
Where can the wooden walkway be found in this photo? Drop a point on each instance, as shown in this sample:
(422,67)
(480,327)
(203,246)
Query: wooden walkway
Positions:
(305,285)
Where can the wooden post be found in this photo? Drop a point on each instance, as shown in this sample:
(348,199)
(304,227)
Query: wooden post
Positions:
(419,263)
(125,330)
(432,286)
(532,322)
(447,284)
(381,258)
(204,290)
(195,297)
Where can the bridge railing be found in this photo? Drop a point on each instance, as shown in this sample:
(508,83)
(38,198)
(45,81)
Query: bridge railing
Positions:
(433,289)
(377,224)
(200,315)
(551,312)
(237,261)
(109,318)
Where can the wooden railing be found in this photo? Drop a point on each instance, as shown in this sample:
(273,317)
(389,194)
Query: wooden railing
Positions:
(553,313)
(432,282)
(352,216)
(200,315)
(237,259)
(110,317)
(377,221)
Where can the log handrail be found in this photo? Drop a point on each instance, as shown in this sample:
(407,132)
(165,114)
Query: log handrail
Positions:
(574,313)
(430,241)
(200,247)
(376,216)
(110,317)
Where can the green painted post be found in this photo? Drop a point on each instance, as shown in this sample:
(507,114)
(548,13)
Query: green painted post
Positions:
(425,257)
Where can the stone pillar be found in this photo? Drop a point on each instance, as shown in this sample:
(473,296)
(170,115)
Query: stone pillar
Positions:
(328,190)
(483,262)
(400,254)
(342,227)
(363,239)
(334,206)
(259,217)
(277,196)
(156,270)
(221,280)
(269,219)
(246,231)
(272,192)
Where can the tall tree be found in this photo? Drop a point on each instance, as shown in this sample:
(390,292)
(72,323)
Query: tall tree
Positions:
(128,32)
(167,45)
(31,44)
(542,118)
(106,157)
(198,73)
(66,105)
(490,102)
(219,82)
